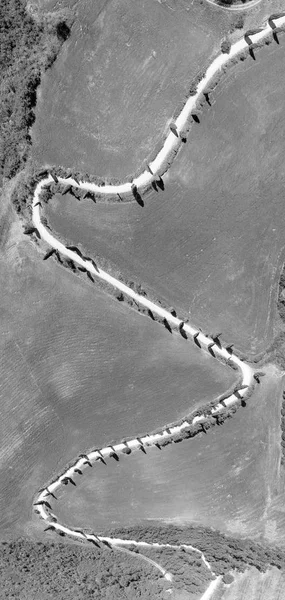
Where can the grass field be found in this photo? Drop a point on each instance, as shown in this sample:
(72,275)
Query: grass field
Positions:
(212,243)
(118,81)
(77,370)
(126,69)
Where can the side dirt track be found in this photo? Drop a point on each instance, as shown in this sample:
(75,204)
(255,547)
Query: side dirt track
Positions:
(182,430)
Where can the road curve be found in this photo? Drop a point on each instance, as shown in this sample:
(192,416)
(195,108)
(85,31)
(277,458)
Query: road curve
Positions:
(171,144)
(237,8)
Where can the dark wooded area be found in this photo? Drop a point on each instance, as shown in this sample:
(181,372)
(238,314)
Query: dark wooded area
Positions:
(28,47)
(55,571)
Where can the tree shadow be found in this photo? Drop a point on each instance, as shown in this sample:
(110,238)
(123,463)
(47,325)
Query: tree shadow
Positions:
(229,349)
(251,53)
(90,195)
(196,341)
(137,195)
(167,325)
(207,98)
(68,190)
(160,183)
(217,341)
(49,253)
(74,249)
(183,333)
(90,276)
(173,129)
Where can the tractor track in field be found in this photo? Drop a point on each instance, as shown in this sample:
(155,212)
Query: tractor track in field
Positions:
(156,168)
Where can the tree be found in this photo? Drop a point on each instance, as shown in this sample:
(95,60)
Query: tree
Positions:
(226,46)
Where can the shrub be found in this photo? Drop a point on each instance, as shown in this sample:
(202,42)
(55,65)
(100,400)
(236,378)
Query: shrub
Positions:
(228,578)
(238,22)
(226,46)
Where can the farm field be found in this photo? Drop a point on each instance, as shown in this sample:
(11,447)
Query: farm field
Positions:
(77,370)
(124,71)
(80,370)
(212,243)
(229,479)
(255,585)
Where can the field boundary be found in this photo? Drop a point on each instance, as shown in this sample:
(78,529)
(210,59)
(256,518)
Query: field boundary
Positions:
(182,430)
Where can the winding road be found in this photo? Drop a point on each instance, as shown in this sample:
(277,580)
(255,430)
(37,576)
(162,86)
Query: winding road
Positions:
(157,168)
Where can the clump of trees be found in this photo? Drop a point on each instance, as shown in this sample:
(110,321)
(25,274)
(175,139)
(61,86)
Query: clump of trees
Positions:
(22,195)
(28,47)
(225,554)
(238,22)
(226,46)
(55,571)
(231,2)
(193,90)
(281,295)
(283,430)
(187,567)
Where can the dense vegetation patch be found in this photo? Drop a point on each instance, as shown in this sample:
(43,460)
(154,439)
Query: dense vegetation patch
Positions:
(233,2)
(223,553)
(56,571)
(283,430)
(281,310)
(281,295)
(189,571)
(28,46)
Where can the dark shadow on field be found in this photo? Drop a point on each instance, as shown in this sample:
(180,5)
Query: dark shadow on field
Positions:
(137,196)
(90,196)
(167,325)
(207,98)
(196,341)
(251,53)
(160,183)
(211,352)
